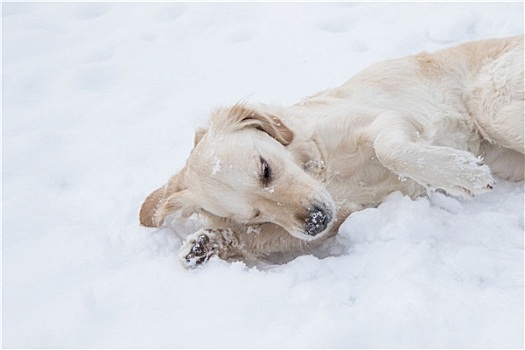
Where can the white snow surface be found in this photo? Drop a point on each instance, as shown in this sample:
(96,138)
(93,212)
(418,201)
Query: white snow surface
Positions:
(100,101)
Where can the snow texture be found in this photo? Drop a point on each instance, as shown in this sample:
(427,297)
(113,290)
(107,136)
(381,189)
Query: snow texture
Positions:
(100,101)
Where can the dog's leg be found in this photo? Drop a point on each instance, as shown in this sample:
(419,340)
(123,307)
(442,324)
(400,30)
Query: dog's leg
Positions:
(497,99)
(397,147)
(200,246)
(249,243)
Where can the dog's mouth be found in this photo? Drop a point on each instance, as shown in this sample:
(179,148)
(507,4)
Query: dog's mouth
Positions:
(309,224)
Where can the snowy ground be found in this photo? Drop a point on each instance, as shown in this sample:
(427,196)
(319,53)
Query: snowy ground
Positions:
(99,105)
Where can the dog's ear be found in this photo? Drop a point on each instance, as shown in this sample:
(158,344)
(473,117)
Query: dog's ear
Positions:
(162,201)
(150,207)
(271,125)
(241,116)
(170,198)
(180,202)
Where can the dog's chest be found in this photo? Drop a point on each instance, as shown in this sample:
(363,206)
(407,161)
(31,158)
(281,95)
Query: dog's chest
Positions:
(352,173)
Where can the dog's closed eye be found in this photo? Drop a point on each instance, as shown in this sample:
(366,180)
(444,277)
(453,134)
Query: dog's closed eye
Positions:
(266,173)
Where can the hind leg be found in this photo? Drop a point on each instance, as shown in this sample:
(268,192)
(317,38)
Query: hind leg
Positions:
(497,100)
(505,128)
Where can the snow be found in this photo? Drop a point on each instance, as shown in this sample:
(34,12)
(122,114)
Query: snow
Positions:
(216,166)
(100,101)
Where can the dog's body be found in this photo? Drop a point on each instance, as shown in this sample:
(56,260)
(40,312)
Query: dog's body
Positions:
(279,179)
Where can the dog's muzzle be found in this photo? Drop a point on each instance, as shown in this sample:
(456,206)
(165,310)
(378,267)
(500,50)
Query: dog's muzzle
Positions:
(318,219)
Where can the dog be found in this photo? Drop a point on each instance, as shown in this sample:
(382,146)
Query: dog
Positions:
(271,179)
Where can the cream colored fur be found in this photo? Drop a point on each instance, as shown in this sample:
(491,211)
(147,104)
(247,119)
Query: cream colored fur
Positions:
(446,120)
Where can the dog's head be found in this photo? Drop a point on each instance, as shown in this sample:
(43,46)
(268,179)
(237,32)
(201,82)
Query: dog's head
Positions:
(242,170)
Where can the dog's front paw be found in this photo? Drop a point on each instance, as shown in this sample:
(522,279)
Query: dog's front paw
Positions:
(479,178)
(199,248)
(473,177)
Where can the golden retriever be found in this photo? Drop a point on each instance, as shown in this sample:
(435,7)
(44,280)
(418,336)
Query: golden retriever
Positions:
(270,179)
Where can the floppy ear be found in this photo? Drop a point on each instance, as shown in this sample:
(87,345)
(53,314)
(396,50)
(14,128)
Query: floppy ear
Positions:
(156,202)
(157,206)
(241,116)
(150,207)
(167,200)
(268,123)
(161,202)
(271,125)
(180,202)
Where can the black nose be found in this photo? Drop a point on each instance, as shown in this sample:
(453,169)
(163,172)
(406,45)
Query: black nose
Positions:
(317,221)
